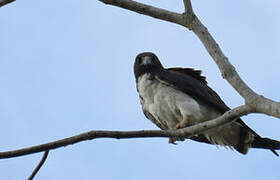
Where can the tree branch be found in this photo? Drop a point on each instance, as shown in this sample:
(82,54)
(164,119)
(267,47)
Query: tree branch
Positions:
(39,165)
(147,10)
(4,2)
(190,21)
(260,103)
(188,6)
(185,132)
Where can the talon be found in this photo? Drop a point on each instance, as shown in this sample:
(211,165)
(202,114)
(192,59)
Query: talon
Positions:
(184,123)
(178,126)
(172,141)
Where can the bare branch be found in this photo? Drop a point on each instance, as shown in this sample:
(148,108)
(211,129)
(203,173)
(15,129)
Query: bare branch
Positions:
(39,165)
(190,21)
(188,6)
(185,132)
(260,103)
(4,2)
(147,10)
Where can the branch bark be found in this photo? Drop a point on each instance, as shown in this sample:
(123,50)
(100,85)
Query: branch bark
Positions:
(147,10)
(188,6)
(4,2)
(190,21)
(185,132)
(38,167)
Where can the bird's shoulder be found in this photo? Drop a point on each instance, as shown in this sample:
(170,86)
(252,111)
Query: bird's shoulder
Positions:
(191,82)
(196,74)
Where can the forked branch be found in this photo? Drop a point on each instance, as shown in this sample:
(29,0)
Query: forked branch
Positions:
(190,21)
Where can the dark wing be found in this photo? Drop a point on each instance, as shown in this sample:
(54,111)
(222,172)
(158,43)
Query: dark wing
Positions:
(193,84)
(190,72)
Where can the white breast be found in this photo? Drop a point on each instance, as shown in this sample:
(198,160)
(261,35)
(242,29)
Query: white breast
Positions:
(168,105)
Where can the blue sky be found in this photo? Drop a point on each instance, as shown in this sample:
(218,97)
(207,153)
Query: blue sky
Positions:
(66,68)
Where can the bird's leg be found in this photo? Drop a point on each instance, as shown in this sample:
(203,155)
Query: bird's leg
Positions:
(184,123)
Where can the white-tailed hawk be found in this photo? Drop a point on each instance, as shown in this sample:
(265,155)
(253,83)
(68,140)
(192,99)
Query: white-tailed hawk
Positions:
(175,98)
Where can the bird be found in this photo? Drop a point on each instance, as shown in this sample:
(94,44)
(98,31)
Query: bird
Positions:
(175,98)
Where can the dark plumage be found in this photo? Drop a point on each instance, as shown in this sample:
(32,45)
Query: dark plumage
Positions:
(174,98)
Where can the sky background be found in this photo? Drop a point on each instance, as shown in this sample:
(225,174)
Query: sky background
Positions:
(66,67)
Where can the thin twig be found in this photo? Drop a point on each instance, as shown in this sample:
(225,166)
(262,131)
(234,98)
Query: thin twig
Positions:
(35,171)
(4,2)
(185,132)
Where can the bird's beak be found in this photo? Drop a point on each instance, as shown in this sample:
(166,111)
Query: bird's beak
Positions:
(146,60)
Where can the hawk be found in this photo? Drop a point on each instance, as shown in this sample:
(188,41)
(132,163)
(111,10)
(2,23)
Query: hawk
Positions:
(174,98)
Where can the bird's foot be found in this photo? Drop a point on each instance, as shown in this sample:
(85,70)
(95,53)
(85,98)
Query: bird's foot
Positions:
(172,140)
(184,123)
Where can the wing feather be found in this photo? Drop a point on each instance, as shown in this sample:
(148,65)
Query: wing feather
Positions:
(193,87)
(192,83)
(189,72)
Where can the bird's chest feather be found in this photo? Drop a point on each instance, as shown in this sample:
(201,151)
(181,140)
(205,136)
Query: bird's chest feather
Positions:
(167,105)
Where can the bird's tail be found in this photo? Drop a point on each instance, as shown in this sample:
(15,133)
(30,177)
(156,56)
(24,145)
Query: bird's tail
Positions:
(266,143)
(258,142)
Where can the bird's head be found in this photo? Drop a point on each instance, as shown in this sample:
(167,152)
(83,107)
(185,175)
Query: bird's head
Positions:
(146,62)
